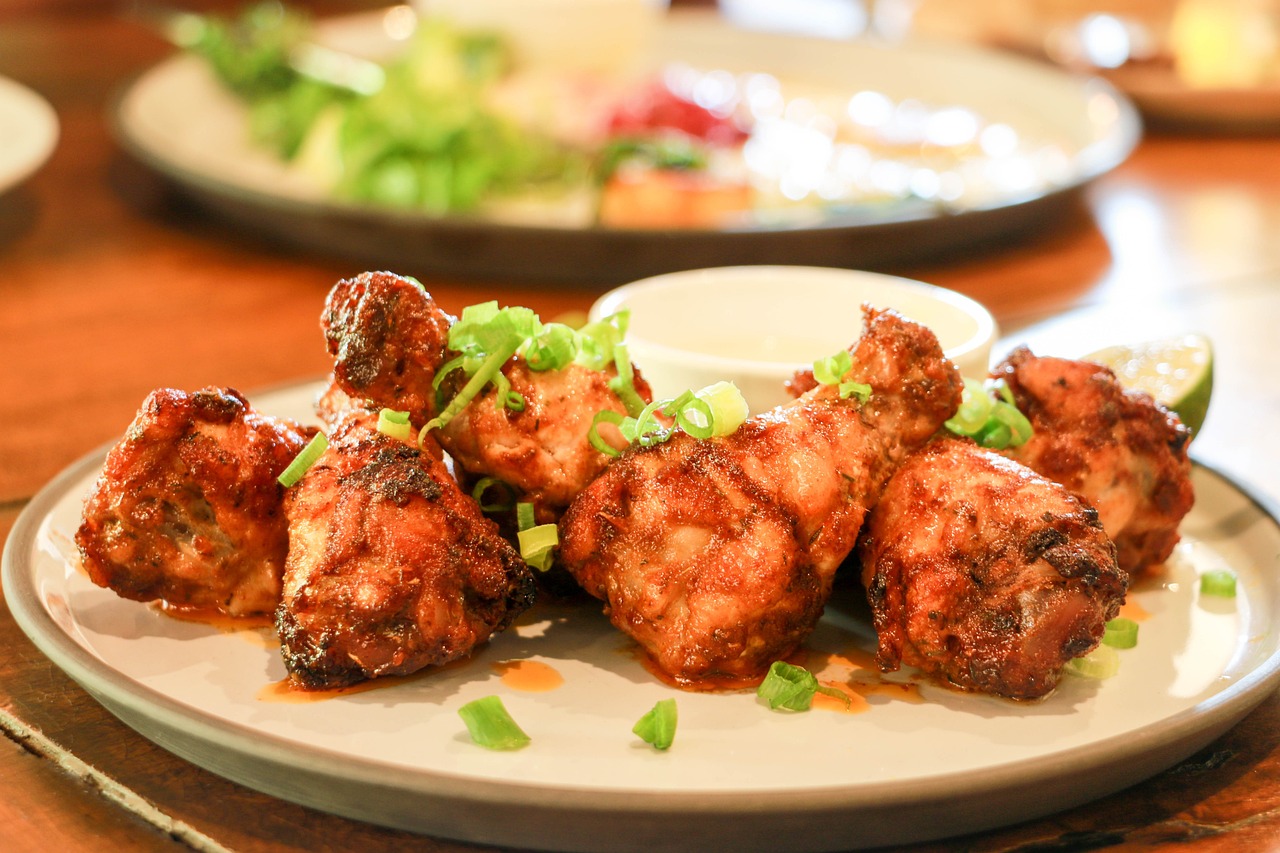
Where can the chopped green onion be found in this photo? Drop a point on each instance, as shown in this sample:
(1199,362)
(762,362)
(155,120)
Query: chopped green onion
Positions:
(304,460)
(1120,633)
(729,408)
(692,414)
(394,424)
(658,727)
(860,390)
(483,485)
(624,383)
(537,541)
(1102,662)
(792,687)
(1218,582)
(491,726)
(830,370)
(593,434)
(553,348)
(991,422)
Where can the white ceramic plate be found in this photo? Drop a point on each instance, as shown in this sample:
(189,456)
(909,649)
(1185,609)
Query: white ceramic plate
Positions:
(176,119)
(28,132)
(738,776)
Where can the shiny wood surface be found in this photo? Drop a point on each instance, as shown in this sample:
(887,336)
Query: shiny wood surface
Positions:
(110,286)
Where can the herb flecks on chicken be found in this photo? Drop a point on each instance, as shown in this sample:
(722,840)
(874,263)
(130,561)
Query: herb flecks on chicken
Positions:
(984,574)
(187,509)
(1117,449)
(391,567)
(717,555)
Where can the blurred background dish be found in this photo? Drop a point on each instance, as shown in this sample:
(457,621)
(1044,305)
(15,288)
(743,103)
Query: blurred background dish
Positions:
(756,326)
(1187,64)
(28,133)
(1018,138)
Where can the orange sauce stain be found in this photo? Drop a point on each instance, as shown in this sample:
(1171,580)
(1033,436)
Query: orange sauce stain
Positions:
(285,690)
(529,676)
(1135,611)
(894,690)
(824,702)
(214,617)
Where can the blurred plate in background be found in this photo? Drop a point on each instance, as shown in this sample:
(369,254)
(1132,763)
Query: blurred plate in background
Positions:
(177,120)
(28,133)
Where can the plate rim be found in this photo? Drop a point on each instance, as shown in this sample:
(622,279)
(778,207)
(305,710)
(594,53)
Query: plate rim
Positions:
(186,729)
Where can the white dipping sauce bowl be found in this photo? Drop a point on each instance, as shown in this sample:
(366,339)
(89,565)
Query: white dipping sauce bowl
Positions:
(757,325)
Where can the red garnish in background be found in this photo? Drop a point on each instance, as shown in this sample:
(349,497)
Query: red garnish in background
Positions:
(656,107)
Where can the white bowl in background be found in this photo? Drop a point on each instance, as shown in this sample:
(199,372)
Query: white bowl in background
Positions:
(757,325)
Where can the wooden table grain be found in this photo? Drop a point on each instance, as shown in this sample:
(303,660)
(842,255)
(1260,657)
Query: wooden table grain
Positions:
(110,286)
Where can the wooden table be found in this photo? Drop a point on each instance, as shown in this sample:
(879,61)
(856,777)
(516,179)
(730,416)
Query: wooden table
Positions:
(110,287)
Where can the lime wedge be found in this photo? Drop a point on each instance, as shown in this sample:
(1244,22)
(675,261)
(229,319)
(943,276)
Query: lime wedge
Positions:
(1177,372)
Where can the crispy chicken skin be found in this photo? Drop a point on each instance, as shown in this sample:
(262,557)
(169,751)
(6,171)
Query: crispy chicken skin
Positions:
(389,338)
(984,574)
(1116,449)
(717,556)
(187,509)
(391,567)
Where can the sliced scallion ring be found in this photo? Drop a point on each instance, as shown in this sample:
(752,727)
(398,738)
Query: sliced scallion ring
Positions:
(658,727)
(1102,662)
(491,726)
(791,688)
(1218,582)
(1120,633)
(394,424)
(304,460)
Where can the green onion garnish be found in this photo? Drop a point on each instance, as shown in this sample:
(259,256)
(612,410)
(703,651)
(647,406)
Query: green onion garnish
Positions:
(486,337)
(792,687)
(991,422)
(491,726)
(304,460)
(394,424)
(1218,582)
(537,541)
(718,409)
(729,408)
(1102,662)
(658,727)
(1120,633)
(506,495)
(831,371)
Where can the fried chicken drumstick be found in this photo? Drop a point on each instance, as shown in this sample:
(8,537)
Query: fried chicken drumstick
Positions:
(389,339)
(717,556)
(1117,449)
(187,509)
(391,567)
(985,574)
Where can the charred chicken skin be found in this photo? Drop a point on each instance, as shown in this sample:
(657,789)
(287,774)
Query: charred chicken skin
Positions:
(984,574)
(1118,450)
(187,509)
(389,339)
(717,556)
(391,568)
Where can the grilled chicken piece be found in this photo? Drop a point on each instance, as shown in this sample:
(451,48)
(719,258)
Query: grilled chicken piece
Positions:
(389,339)
(391,567)
(1116,449)
(187,509)
(985,574)
(717,556)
